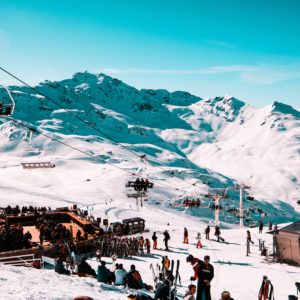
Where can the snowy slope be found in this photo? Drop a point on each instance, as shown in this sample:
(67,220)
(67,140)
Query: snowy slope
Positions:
(211,142)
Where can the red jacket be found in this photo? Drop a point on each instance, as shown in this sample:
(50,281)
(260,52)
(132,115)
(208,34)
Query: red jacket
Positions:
(195,264)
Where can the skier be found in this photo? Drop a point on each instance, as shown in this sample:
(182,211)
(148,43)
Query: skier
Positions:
(195,262)
(205,276)
(198,238)
(163,291)
(270,226)
(185,236)
(166,239)
(266,290)
(276,227)
(249,237)
(218,234)
(207,231)
(190,293)
(261,226)
(154,239)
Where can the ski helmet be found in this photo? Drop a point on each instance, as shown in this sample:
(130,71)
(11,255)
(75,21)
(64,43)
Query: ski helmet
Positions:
(189,258)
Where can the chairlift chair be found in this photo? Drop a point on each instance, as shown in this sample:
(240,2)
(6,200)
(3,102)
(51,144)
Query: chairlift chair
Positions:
(7,110)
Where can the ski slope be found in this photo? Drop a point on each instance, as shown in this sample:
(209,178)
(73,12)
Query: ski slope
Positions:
(234,271)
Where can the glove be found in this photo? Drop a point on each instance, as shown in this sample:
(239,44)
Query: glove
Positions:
(192,278)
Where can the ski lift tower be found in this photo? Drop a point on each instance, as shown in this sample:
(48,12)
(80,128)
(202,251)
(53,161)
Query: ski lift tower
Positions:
(242,187)
(217,196)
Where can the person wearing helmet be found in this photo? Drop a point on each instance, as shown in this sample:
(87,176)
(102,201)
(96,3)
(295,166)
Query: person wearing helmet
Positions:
(195,262)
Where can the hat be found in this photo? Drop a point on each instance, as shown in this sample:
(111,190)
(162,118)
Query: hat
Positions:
(189,258)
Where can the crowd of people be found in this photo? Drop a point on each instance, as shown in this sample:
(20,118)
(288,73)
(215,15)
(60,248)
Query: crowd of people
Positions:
(14,238)
(16,210)
(122,247)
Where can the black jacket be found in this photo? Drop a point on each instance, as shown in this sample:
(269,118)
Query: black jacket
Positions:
(205,272)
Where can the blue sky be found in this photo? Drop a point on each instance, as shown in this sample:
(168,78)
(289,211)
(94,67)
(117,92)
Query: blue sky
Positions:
(248,49)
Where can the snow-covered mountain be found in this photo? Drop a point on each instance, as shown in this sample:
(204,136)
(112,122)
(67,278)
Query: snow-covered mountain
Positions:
(211,142)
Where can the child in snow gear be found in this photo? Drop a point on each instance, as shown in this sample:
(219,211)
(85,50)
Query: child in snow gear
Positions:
(195,262)
(190,294)
(154,239)
(185,236)
(205,276)
(207,231)
(266,290)
(166,239)
(198,245)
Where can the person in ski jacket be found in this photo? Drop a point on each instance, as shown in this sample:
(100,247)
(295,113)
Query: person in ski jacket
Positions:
(190,294)
(261,226)
(270,226)
(218,233)
(166,263)
(59,266)
(207,231)
(205,276)
(84,269)
(198,238)
(120,275)
(166,239)
(162,290)
(148,246)
(133,279)
(195,262)
(249,237)
(266,290)
(104,275)
(154,239)
(185,236)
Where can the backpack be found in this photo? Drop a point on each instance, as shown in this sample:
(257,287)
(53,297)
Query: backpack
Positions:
(136,276)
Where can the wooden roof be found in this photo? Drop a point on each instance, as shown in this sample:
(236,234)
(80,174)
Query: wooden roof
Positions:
(292,228)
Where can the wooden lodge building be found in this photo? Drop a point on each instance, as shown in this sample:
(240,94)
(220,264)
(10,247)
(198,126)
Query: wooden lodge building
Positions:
(287,243)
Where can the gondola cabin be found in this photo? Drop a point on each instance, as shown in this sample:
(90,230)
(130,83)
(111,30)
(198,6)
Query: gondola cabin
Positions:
(7,103)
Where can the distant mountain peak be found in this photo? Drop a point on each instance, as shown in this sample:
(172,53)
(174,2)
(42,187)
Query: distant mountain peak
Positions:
(279,107)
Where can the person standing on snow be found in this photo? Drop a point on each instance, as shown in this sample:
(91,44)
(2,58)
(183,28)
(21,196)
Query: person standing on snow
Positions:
(195,262)
(205,276)
(198,238)
(154,239)
(249,237)
(207,231)
(185,236)
(166,239)
(261,226)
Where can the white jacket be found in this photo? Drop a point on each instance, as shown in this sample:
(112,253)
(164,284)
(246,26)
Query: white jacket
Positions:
(120,274)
